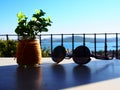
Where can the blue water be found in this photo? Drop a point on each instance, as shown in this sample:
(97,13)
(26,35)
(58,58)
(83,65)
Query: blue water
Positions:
(68,45)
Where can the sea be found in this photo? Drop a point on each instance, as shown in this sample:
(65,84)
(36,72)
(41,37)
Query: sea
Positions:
(90,45)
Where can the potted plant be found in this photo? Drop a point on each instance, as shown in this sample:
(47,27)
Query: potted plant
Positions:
(28,49)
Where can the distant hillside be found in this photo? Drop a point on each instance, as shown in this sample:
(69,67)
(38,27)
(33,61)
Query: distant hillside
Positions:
(80,39)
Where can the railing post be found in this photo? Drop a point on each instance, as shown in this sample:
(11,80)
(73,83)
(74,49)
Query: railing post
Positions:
(7,38)
(95,44)
(72,42)
(105,45)
(18,37)
(51,43)
(116,46)
(83,39)
(40,40)
(61,39)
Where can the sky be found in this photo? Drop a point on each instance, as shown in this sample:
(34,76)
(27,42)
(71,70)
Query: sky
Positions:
(68,16)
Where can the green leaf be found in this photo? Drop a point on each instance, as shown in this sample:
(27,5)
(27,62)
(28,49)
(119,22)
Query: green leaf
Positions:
(37,11)
(21,16)
(34,18)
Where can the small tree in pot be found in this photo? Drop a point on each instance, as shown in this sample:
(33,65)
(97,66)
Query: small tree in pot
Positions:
(29,29)
(28,50)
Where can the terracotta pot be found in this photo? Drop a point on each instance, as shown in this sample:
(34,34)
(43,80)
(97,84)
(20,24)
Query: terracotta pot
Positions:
(28,52)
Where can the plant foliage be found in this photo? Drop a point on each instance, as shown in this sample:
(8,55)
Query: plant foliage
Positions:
(31,28)
(8,48)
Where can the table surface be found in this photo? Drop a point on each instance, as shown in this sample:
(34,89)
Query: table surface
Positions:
(67,75)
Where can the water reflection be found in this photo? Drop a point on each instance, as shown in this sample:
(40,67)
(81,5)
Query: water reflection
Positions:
(54,77)
(29,78)
(59,74)
(81,74)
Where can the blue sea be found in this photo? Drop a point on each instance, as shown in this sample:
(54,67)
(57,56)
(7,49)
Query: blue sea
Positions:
(68,45)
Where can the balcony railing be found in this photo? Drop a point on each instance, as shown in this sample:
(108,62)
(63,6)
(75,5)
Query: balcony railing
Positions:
(107,43)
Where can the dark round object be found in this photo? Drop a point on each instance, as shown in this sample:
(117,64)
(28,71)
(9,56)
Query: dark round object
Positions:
(81,55)
(58,54)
